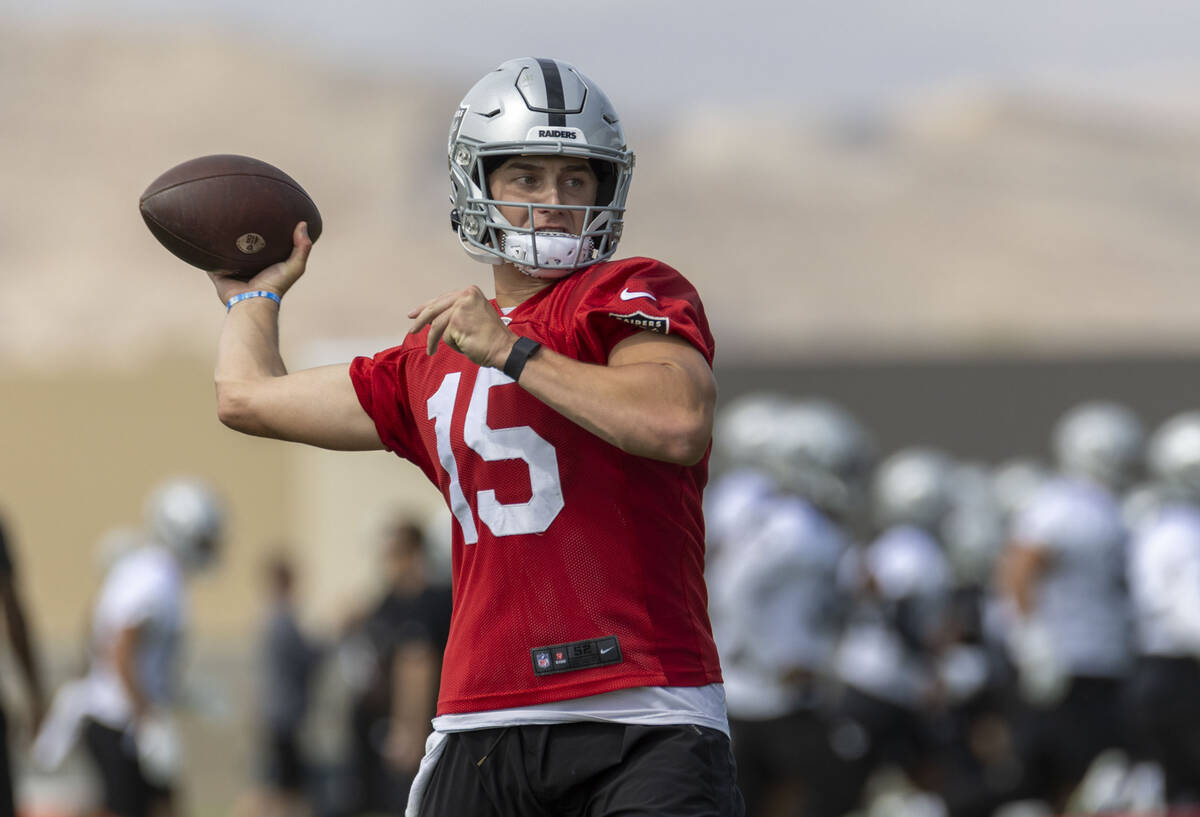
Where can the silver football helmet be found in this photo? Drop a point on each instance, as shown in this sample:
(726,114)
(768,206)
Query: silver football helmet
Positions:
(744,430)
(533,106)
(187,517)
(1173,454)
(973,530)
(823,453)
(1102,441)
(913,486)
(1015,482)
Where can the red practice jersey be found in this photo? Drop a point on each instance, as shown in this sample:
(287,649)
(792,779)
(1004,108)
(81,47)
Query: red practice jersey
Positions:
(578,568)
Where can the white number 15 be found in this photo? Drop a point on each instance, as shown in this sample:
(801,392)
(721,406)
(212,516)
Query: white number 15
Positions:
(492,444)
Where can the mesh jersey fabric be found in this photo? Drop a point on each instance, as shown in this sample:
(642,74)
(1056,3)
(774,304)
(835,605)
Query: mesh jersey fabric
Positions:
(559,536)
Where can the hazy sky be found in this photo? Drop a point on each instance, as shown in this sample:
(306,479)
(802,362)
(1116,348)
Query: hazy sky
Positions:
(803,54)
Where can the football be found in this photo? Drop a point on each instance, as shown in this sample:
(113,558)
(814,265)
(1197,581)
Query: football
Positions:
(228,212)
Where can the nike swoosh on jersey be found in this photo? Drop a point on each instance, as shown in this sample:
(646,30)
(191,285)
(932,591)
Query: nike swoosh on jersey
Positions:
(626,295)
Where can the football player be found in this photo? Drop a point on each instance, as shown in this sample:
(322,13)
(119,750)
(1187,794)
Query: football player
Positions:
(25,651)
(567,423)
(1062,575)
(776,605)
(138,626)
(1164,585)
(902,584)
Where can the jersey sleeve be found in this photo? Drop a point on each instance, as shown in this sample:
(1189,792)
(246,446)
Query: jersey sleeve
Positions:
(643,295)
(379,383)
(143,594)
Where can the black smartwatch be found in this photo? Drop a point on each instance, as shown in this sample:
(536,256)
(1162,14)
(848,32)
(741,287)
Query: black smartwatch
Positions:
(522,350)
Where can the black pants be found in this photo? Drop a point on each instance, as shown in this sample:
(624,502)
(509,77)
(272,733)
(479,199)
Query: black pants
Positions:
(1165,704)
(792,753)
(127,793)
(585,770)
(1058,744)
(283,765)
(7,807)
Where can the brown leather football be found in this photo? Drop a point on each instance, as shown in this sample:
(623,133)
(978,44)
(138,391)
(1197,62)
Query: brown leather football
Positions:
(228,212)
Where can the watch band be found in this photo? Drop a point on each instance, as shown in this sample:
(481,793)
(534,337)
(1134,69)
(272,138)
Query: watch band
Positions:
(522,350)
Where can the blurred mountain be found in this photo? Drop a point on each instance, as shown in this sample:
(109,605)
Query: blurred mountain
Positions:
(966,223)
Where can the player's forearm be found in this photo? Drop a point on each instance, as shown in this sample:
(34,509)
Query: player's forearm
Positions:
(651,409)
(125,663)
(247,355)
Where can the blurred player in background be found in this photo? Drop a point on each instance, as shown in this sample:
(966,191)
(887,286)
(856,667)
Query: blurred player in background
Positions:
(21,640)
(1164,583)
(138,626)
(1063,578)
(901,584)
(775,603)
(567,424)
(403,636)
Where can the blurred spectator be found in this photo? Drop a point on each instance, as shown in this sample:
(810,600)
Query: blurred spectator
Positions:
(138,627)
(405,634)
(1063,577)
(288,662)
(21,640)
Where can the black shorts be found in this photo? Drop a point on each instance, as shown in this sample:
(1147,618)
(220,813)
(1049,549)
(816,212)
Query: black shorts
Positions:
(586,769)
(793,752)
(1166,716)
(283,765)
(1058,744)
(127,793)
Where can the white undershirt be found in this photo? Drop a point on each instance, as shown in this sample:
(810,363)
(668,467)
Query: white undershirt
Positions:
(644,706)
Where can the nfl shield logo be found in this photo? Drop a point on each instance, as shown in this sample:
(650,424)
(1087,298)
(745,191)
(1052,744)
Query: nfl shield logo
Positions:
(543,660)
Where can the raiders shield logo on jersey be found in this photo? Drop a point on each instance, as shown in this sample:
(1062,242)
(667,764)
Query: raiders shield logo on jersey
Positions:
(651,323)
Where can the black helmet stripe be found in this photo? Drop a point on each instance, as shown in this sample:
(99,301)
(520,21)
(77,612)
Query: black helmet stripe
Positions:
(554,93)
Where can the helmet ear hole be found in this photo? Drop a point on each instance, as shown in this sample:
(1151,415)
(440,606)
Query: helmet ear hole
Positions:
(490,165)
(606,180)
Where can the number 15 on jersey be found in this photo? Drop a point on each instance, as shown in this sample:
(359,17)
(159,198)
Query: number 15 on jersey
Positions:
(492,444)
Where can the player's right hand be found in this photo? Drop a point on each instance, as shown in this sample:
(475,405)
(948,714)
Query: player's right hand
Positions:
(277,278)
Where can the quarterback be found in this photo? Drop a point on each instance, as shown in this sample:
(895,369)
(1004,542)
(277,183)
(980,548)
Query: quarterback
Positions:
(567,423)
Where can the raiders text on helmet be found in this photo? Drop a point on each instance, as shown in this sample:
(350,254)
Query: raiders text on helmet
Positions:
(540,107)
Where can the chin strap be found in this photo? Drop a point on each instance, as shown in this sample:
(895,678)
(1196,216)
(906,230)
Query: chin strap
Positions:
(547,255)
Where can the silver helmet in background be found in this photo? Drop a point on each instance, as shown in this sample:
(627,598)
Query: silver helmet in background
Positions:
(744,430)
(1173,454)
(1015,482)
(545,107)
(823,453)
(1102,441)
(913,486)
(186,516)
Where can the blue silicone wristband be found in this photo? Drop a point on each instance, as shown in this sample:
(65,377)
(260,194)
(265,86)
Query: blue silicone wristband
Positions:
(245,296)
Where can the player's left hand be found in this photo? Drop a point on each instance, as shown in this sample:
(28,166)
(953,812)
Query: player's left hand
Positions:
(468,323)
